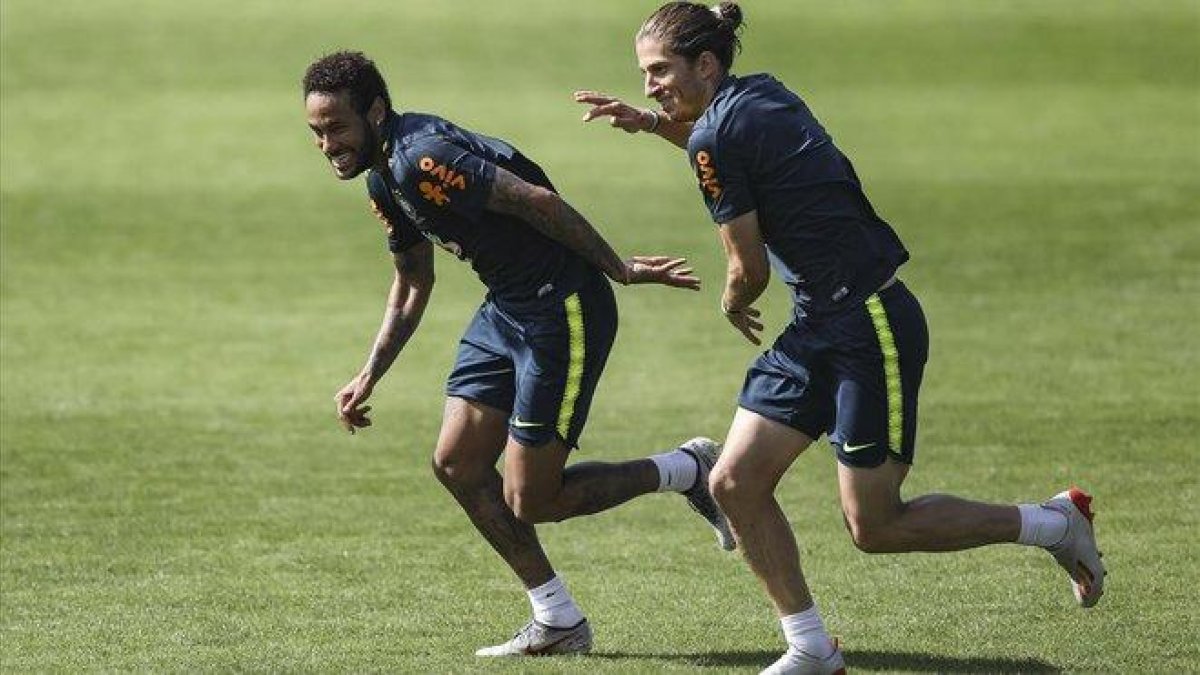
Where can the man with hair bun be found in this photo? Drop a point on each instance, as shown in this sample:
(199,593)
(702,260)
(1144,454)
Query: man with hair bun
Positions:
(849,364)
(531,357)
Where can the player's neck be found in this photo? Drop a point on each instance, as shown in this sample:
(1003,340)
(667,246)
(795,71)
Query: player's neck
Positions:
(379,163)
(383,149)
(711,86)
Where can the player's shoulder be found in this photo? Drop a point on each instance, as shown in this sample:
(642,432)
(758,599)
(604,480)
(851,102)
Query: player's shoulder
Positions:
(736,107)
(752,110)
(419,131)
(420,138)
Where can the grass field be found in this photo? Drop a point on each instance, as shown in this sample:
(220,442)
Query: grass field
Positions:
(184,287)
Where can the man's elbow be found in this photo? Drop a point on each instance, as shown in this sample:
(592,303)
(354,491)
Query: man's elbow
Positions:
(416,278)
(423,280)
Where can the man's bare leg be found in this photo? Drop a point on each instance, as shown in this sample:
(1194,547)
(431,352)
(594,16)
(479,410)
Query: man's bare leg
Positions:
(757,453)
(537,488)
(881,522)
(472,437)
(541,488)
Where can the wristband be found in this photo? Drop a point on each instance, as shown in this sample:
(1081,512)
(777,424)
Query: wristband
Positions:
(654,124)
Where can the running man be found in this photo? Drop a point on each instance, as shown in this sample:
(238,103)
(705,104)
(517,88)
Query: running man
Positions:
(531,357)
(850,363)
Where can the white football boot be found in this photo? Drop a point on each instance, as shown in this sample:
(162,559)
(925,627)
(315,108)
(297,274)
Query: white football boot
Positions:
(706,451)
(538,639)
(1077,552)
(796,662)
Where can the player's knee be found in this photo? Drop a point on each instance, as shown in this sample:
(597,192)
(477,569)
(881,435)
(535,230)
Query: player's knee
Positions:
(868,536)
(731,489)
(529,507)
(452,471)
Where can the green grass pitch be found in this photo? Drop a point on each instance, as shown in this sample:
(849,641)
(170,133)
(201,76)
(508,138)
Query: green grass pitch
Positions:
(185,286)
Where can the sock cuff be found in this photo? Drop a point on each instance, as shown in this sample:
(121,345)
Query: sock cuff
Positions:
(805,632)
(1040,526)
(548,589)
(677,470)
(553,604)
(803,622)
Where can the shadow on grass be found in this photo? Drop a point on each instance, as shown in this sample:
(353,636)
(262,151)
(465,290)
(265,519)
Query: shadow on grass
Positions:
(878,660)
(856,659)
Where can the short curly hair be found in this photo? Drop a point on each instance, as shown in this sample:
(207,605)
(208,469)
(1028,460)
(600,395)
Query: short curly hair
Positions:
(351,72)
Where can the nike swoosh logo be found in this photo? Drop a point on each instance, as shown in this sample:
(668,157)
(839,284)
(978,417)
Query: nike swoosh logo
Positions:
(846,447)
(544,649)
(520,424)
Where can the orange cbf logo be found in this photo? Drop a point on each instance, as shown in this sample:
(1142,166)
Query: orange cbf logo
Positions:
(707,174)
(433,193)
(445,178)
(387,224)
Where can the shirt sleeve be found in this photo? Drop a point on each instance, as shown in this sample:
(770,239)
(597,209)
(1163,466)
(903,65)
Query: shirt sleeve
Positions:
(443,176)
(723,177)
(401,233)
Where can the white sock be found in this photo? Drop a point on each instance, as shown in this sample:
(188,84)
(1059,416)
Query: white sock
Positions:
(806,632)
(676,470)
(1041,526)
(553,604)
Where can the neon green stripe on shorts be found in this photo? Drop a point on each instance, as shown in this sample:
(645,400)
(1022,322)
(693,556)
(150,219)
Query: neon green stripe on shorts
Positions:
(575,366)
(891,372)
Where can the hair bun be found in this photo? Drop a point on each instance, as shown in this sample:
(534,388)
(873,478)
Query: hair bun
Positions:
(729,13)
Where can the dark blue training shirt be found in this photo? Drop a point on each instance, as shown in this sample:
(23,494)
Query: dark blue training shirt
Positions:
(758,147)
(440,178)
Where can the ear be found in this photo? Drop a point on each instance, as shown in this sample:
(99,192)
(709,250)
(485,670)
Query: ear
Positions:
(377,112)
(709,65)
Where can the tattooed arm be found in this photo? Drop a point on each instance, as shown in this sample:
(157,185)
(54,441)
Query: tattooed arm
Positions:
(412,285)
(549,214)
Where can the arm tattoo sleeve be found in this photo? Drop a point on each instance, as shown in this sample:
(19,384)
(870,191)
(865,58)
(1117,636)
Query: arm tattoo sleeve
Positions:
(549,214)
(411,287)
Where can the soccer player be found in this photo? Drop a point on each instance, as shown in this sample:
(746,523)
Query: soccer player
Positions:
(850,363)
(531,357)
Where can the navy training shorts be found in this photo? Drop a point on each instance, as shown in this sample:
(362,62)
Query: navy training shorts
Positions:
(854,375)
(539,361)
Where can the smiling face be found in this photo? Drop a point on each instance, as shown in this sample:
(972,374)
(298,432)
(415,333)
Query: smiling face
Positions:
(349,141)
(683,88)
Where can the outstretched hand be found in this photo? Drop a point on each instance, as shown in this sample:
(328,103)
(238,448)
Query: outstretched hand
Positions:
(351,412)
(621,114)
(747,322)
(661,269)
